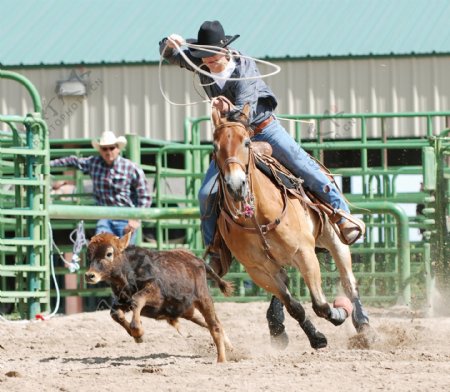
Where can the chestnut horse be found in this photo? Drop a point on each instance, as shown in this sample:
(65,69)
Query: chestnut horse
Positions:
(266,229)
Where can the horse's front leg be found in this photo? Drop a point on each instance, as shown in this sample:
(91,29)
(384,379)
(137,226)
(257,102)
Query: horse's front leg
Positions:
(276,286)
(343,259)
(308,264)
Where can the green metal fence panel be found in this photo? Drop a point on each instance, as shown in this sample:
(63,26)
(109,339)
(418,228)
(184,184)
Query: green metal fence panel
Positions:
(389,268)
(379,252)
(441,211)
(24,180)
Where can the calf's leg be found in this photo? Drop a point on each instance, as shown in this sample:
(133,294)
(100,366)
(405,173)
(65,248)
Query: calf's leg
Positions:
(206,307)
(191,316)
(149,295)
(118,315)
(196,319)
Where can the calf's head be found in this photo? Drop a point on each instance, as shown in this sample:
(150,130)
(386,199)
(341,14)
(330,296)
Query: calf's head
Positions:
(103,251)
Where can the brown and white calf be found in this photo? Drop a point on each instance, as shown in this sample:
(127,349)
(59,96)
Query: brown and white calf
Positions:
(163,285)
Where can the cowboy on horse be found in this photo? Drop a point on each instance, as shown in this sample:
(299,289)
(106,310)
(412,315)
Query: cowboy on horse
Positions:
(265,125)
(234,85)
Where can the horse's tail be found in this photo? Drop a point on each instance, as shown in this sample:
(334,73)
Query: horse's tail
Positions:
(227,288)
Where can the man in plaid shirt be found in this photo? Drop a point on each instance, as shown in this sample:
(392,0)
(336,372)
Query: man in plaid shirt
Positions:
(116,181)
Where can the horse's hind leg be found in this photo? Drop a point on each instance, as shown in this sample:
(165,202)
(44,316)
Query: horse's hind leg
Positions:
(276,286)
(275,318)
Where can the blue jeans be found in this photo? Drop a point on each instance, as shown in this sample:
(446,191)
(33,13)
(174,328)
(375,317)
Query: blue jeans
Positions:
(287,151)
(115,227)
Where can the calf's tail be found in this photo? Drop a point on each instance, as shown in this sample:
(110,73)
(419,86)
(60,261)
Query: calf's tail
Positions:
(227,288)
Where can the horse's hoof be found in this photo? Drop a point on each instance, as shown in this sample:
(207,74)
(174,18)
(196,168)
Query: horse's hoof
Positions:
(363,328)
(360,317)
(279,342)
(318,340)
(138,340)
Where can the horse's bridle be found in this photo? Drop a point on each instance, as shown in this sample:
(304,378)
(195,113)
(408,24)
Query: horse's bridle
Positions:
(262,230)
(246,207)
(233,159)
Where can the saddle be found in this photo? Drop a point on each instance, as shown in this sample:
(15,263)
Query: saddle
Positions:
(284,178)
(292,185)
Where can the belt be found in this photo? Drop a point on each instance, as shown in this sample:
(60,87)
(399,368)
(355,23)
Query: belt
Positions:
(262,125)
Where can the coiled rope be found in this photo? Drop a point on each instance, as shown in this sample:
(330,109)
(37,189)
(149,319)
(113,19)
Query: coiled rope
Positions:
(218,50)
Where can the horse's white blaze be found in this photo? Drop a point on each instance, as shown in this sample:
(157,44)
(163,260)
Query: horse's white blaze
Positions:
(236,180)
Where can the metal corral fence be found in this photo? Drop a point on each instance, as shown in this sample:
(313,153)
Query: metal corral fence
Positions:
(389,266)
(24,199)
(389,263)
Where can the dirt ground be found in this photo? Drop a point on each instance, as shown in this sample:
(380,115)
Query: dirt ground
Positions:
(90,352)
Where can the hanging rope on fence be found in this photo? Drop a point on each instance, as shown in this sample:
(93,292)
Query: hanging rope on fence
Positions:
(78,243)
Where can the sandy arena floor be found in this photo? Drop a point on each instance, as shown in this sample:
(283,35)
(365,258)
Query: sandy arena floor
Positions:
(90,352)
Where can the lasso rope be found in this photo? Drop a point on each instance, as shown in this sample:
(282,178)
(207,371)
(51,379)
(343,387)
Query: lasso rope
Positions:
(213,50)
(218,50)
(78,242)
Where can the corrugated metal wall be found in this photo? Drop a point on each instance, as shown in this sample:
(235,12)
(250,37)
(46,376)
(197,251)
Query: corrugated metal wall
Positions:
(127,99)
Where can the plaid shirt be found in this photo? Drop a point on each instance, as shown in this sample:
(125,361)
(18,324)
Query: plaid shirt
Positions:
(122,185)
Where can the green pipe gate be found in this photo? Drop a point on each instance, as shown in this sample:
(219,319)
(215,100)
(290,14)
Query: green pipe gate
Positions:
(387,264)
(24,199)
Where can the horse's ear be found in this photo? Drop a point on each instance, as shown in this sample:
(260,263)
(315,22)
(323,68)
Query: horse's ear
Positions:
(215,117)
(246,111)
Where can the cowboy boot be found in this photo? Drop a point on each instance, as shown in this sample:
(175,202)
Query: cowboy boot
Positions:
(215,264)
(348,228)
(351,229)
(219,255)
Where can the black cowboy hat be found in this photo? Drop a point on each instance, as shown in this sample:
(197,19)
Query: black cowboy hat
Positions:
(211,33)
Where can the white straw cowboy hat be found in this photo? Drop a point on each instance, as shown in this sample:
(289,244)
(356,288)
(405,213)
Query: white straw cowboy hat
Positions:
(211,33)
(109,139)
